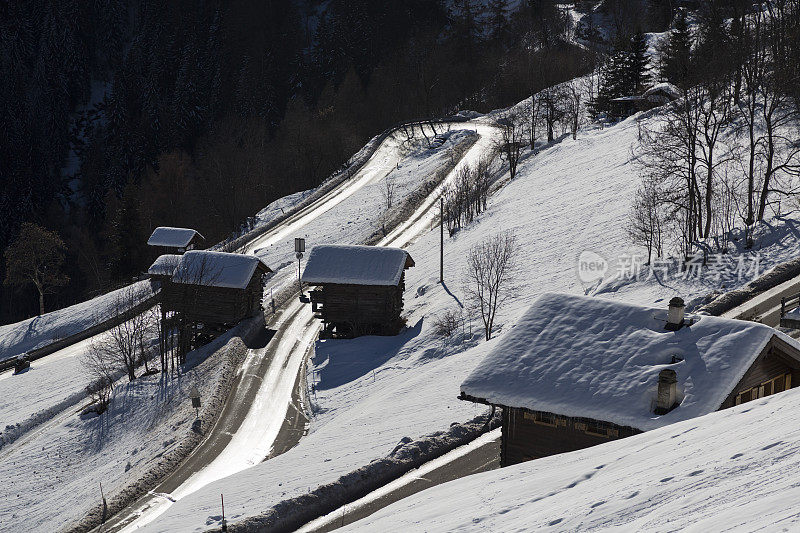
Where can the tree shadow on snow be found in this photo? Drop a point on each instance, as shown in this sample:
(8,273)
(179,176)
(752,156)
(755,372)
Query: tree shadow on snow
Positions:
(341,361)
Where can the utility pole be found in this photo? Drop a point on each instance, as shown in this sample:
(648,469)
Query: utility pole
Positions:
(441,240)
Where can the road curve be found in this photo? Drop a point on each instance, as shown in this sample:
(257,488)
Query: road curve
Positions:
(254,418)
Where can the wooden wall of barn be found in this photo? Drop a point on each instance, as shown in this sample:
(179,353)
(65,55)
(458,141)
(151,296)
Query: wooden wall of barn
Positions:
(366,304)
(213,305)
(773,362)
(530,435)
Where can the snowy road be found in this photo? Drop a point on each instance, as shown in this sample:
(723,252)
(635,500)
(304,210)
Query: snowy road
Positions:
(246,431)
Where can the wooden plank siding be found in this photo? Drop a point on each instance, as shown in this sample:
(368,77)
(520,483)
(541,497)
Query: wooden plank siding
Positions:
(214,305)
(775,360)
(527,434)
(363,306)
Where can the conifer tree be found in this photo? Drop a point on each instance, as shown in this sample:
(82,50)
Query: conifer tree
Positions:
(638,61)
(498,14)
(678,53)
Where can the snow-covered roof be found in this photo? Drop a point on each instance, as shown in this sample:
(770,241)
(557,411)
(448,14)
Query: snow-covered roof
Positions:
(216,269)
(596,358)
(667,88)
(164,265)
(356,265)
(172,237)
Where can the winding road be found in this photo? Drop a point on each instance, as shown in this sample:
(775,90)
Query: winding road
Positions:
(263,415)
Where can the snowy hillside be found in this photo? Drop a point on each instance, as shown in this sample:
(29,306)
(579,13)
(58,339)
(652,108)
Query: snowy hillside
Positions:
(42,330)
(148,419)
(734,470)
(571,197)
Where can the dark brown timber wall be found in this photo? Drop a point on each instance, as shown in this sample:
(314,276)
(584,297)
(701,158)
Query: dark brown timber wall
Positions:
(775,361)
(530,435)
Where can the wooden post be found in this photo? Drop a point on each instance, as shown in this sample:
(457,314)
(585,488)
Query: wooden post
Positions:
(224,523)
(441,240)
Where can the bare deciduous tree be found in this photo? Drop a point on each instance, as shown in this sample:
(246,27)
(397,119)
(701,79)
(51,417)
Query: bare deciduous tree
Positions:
(491,268)
(123,346)
(645,224)
(36,256)
(512,139)
(101,370)
(388,191)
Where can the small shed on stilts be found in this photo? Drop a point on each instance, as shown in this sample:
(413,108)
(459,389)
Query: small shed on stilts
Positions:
(359,289)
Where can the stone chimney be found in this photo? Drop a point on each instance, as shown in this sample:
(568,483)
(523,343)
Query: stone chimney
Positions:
(667,391)
(675,314)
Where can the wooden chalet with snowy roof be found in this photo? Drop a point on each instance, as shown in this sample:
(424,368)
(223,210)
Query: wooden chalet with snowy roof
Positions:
(215,288)
(175,240)
(578,371)
(656,96)
(359,289)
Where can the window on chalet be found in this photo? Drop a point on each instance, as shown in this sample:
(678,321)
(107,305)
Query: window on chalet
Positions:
(596,429)
(772,386)
(545,419)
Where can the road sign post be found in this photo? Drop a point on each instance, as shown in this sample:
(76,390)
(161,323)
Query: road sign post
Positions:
(195,396)
(299,248)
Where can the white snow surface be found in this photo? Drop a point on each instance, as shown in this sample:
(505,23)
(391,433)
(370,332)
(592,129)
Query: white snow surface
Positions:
(374,391)
(164,265)
(732,470)
(581,356)
(41,330)
(355,265)
(50,474)
(216,269)
(172,237)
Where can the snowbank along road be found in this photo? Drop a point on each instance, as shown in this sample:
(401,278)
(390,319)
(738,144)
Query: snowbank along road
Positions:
(248,429)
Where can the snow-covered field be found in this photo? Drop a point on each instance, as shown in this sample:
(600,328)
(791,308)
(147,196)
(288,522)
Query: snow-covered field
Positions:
(41,330)
(52,474)
(572,197)
(733,470)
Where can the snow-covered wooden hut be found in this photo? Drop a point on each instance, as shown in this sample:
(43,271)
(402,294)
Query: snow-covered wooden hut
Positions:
(359,288)
(175,240)
(578,371)
(163,268)
(215,288)
(655,96)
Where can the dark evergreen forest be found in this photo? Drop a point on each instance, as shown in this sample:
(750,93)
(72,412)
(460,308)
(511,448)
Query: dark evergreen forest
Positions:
(120,116)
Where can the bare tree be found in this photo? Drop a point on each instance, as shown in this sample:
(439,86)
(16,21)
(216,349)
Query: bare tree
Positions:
(552,104)
(36,256)
(645,225)
(491,268)
(388,191)
(101,370)
(574,106)
(512,139)
(123,345)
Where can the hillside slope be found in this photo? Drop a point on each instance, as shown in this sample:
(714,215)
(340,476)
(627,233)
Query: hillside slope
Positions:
(734,470)
(376,395)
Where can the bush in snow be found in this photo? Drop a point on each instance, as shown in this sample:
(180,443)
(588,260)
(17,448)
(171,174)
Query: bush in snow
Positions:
(449,322)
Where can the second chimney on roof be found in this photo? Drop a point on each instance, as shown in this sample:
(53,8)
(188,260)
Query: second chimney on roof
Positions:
(667,391)
(675,314)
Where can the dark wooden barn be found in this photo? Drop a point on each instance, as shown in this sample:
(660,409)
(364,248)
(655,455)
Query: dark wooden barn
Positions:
(169,240)
(208,293)
(216,288)
(359,289)
(578,371)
